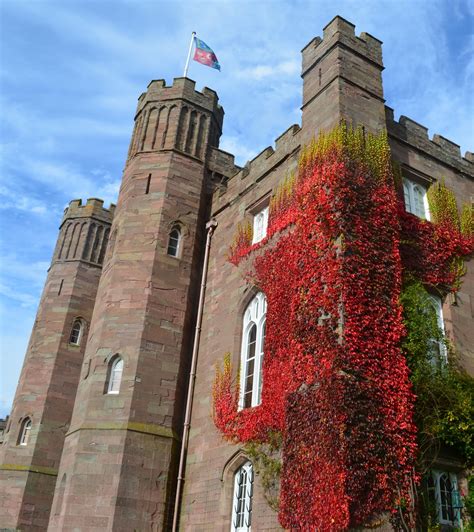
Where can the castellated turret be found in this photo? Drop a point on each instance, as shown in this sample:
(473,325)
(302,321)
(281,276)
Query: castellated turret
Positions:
(342,80)
(118,465)
(30,455)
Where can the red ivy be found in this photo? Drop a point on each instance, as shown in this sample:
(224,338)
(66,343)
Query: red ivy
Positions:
(335,381)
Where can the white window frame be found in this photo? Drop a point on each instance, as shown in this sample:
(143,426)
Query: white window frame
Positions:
(243,493)
(113,383)
(25,432)
(437,474)
(79,322)
(409,194)
(254,315)
(439,345)
(260,224)
(178,243)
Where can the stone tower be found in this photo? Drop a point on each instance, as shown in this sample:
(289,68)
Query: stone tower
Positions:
(342,80)
(117,468)
(30,455)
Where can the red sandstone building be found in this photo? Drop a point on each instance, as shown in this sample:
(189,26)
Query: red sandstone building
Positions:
(94,436)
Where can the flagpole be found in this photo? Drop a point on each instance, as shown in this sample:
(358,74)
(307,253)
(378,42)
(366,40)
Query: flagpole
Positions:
(193,34)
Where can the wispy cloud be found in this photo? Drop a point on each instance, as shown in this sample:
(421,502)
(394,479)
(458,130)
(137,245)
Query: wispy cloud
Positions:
(263,72)
(10,200)
(26,300)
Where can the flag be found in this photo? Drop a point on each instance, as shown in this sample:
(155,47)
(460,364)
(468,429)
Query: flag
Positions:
(204,55)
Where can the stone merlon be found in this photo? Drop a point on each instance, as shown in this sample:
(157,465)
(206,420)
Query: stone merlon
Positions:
(94,208)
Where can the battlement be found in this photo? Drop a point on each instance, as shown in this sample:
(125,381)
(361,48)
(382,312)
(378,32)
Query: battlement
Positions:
(287,143)
(94,208)
(342,80)
(222,162)
(340,32)
(181,89)
(416,135)
(177,117)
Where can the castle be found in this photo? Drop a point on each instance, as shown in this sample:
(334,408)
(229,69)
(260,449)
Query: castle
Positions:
(93,441)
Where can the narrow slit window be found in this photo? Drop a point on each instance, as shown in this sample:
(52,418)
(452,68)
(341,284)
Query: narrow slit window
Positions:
(25,430)
(174,242)
(148,181)
(115,375)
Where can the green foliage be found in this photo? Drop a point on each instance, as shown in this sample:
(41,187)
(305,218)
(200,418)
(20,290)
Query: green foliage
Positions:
(444,410)
(442,203)
(467,220)
(266,459)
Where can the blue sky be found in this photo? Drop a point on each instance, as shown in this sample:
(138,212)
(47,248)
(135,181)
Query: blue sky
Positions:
(71,73)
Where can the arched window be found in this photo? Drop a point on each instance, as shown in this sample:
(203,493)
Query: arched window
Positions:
(174,241)
(25,429)
(76,333)
(114,377)
(252,352)
(447,499)
(242,499)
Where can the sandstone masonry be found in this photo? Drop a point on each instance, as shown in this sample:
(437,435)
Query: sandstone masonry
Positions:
(97,461)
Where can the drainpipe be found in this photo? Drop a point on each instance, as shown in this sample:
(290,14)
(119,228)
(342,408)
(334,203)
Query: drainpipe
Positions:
(210,226)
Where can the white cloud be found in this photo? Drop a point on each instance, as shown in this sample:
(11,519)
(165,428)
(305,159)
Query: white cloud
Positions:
(237,147)
(10,200)
(25,299)
(261,72)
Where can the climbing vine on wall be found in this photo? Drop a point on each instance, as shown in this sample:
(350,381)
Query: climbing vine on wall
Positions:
(336,381)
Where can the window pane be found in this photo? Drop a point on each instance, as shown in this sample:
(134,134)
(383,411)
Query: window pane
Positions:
(115,376)
(242,499)
(25,432)
(260,222)
(173,243)
(75,333)
(419,207)
(252,352)
(406,195)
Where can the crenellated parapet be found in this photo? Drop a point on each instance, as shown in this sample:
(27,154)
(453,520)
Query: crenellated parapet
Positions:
(415,135)
(342,80)
(84,232)
(287,145)
(177,117)
(340,32)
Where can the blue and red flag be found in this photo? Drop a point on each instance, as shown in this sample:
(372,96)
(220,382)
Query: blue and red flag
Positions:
(205,55)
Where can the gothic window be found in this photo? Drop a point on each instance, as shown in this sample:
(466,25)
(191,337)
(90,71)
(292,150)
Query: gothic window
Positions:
(438,348)
(76,332)
(174,242)
(252,352)
(114,377)
(444,486)
(242,499)
(415,199)
(260,222)
(25,430)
